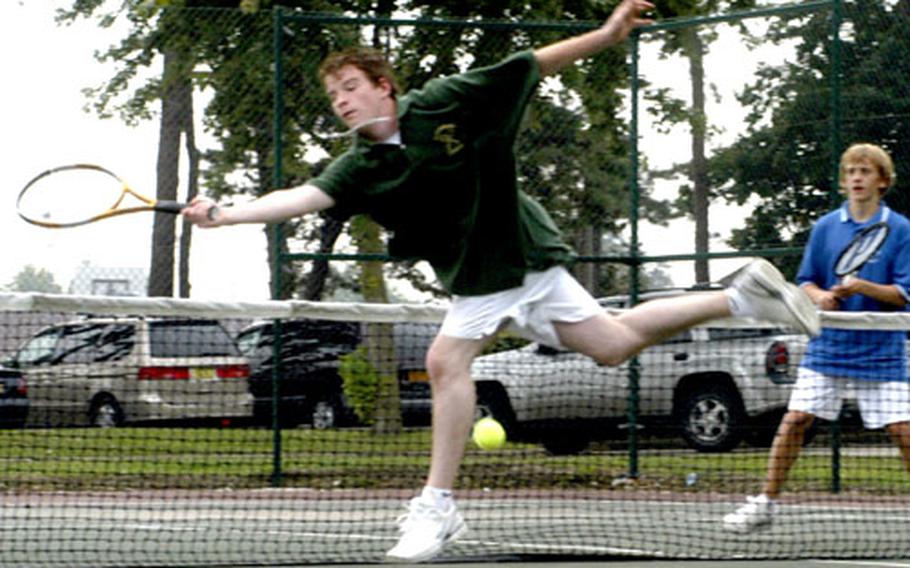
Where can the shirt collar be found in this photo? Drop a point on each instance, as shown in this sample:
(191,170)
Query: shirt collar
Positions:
(880,216)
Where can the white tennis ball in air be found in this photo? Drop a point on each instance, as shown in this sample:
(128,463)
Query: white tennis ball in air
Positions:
(488,434)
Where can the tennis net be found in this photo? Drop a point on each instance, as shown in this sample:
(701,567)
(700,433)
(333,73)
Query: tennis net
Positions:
(165,432)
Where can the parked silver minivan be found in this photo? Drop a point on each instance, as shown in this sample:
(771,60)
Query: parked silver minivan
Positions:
(112,371)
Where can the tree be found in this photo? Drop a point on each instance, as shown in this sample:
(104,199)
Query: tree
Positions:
(787,158)
(33,279)
(691,42)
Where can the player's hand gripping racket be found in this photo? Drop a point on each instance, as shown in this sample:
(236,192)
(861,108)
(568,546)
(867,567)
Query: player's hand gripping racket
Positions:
(859,250)
(69,196)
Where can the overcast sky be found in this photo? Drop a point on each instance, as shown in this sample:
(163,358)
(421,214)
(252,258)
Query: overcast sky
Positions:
(44,125)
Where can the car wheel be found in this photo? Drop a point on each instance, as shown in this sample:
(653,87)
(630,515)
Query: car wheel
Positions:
(326,413)
(712,418)
(105,412)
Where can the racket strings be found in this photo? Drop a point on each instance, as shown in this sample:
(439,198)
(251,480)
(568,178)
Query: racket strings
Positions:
(861,249)
(71,195)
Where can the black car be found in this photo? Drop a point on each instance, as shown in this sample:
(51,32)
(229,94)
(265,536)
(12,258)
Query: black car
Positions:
(13,398)
(310,386)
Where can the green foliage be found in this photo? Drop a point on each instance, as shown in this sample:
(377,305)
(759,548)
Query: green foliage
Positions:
(581,175)
(33,279)
(360,382)
(787,159)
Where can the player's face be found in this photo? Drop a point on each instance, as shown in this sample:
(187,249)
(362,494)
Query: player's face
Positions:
(862,182)
(355,98)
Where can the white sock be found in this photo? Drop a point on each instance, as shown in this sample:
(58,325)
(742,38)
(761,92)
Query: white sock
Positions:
(739,307)
(441,498)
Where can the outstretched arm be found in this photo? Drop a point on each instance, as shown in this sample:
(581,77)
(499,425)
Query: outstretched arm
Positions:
(272,207)
(625,18)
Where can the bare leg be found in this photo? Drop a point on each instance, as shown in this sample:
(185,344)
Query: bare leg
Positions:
(788,443)
(449,365)
(900,433)
(611,340)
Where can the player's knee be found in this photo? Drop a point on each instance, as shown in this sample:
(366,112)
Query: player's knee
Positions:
(443,368)
(899,430)
(609,357)
(797,420)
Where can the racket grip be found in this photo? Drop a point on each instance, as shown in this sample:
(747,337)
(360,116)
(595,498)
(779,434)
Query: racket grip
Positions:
(166,206)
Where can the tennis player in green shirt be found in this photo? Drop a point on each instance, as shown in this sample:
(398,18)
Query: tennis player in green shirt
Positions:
(436,167)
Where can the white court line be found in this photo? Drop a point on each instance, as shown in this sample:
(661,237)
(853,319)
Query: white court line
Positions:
(563,548)
(367,537)
(877,563)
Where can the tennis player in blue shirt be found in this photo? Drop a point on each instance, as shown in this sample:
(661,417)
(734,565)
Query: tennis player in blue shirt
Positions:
(873,362)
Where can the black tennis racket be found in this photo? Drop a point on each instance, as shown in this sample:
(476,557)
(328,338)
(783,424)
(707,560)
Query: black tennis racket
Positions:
(78,194)
(859,250)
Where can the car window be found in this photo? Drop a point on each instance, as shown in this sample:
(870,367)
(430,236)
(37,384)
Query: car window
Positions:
(190,339)
(39,349)
(248,341)
(115,342)
(77,343)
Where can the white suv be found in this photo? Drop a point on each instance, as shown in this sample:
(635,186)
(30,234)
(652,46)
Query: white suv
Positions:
(111,371)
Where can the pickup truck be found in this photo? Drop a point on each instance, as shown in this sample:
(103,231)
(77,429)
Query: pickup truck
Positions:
(714,386)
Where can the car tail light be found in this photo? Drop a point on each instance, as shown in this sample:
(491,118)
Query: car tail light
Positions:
(22,386)
(164,373)
(777,360)
(233,371)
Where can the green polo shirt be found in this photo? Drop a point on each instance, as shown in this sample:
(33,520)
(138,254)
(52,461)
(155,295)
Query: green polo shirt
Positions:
(449,193)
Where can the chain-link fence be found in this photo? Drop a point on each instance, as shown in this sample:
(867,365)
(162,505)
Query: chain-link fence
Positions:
(716,138)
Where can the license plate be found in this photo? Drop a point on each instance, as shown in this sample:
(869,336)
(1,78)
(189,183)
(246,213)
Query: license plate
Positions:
(202,373)
(418,377)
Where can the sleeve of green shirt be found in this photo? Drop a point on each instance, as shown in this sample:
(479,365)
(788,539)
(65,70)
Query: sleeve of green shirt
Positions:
(502,90)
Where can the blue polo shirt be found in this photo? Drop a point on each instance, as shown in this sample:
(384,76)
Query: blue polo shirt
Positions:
(859,354)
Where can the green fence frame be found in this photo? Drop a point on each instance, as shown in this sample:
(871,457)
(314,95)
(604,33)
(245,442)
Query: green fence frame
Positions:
(633,259)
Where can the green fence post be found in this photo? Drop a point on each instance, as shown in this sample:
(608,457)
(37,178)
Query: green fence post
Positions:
(278,118)
(633,400)
(835,80)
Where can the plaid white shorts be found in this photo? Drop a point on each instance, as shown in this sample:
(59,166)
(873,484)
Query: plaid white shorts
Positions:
(529,310)
(880,402)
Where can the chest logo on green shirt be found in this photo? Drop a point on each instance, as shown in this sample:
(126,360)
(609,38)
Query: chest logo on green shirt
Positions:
(445,133)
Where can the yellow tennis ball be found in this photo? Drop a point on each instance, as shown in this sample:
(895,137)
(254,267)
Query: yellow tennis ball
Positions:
(488,434)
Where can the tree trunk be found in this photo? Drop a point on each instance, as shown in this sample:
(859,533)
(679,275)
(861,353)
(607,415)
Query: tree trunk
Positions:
(379,339)
(186,233)
(698,172)
(174,95)
(588,243)
(313,285)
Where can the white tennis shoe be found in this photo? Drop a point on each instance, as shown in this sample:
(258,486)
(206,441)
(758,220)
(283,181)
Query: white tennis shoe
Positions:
(425,530)
(756,514)
(769,297)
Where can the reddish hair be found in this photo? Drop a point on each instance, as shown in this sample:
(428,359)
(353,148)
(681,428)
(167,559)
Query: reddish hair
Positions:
(371,61)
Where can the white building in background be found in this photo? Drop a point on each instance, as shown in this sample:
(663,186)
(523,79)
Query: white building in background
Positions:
(91,280)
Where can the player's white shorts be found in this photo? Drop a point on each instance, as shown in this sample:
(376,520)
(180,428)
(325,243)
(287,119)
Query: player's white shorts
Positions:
(529,310)
(880,402)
